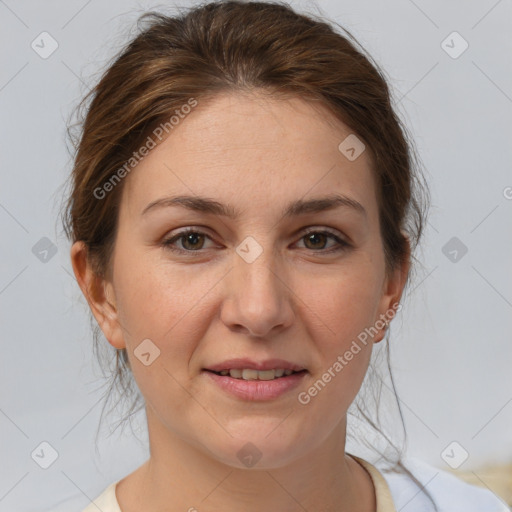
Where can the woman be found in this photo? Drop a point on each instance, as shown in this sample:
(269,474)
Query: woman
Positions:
(243,212)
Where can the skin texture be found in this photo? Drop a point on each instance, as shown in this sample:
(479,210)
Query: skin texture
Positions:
(296,301)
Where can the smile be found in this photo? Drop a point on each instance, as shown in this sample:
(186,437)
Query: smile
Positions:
(249,386)
(250,374)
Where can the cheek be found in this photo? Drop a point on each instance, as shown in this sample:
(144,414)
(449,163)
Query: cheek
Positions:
(343,303)
(163,302)
(339,310)
(158,303)
(146,287)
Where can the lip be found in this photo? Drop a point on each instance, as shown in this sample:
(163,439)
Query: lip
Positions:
(256,390)
(242,363)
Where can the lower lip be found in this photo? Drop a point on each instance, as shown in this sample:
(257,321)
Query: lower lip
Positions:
(257,389)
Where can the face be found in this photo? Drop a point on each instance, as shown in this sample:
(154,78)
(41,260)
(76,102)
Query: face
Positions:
(258,281)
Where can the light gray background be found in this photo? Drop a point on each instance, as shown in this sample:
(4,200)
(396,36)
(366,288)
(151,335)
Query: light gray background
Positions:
(452,343)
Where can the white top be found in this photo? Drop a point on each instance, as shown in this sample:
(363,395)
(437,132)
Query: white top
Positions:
(395,492)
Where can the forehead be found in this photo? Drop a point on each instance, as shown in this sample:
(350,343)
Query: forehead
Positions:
(249,149)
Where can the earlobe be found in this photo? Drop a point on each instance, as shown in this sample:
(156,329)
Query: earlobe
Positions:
(99,294)
(382,332)
(392,293)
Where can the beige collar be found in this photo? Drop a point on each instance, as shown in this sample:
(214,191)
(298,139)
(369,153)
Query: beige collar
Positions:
(383,494)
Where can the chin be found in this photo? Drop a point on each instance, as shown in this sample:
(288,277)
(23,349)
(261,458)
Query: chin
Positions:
(260,451)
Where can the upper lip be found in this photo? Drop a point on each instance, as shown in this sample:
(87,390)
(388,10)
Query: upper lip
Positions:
(243,363)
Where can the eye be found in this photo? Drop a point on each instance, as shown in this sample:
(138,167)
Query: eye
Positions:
(316,240)
(191,240)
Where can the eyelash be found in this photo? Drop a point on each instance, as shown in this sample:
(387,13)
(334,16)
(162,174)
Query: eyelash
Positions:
(167,243)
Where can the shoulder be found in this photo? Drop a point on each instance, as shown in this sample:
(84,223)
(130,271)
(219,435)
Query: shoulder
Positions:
(106,501)
(450,493)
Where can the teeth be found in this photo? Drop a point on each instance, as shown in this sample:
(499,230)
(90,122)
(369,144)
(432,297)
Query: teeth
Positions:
(255,374)
(250,374)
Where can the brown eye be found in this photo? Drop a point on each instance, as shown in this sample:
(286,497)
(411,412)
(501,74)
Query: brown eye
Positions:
(192,240)
(316,240)
(323,242)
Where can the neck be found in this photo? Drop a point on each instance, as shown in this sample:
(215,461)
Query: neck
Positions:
(180,476)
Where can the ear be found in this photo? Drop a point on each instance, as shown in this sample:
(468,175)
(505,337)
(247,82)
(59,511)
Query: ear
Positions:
(99,293)
(392,292)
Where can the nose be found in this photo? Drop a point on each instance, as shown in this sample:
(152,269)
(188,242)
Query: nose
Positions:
(258,299)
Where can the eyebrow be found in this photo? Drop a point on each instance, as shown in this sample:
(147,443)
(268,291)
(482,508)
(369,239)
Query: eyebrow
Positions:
(296,208)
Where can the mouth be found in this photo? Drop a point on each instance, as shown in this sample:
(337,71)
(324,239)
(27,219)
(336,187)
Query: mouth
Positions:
(251,374)
(248,384)
(251,379)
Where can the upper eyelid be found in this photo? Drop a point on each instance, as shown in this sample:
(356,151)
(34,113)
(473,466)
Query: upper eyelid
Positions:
(314,229)
(306,230)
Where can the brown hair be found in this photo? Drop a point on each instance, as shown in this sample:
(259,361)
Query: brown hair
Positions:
(236,46)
